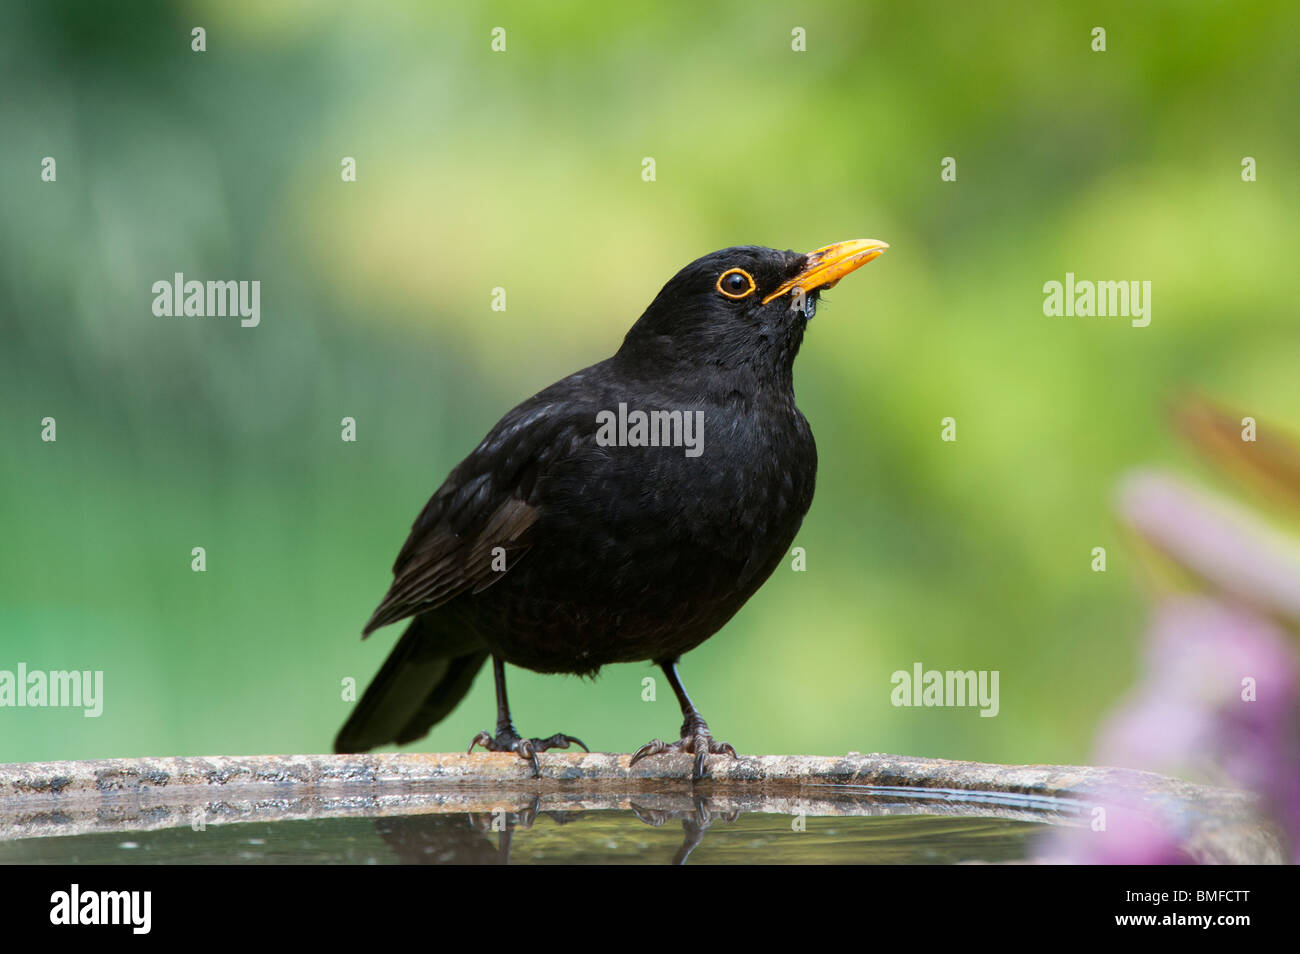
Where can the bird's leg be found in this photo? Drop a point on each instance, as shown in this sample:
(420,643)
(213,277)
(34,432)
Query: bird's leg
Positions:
(696,738)
(507,739)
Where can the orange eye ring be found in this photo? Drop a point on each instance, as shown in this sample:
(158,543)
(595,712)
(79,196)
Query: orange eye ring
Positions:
(735,295)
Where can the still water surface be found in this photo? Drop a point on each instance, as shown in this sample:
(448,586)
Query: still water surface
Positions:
(592,837)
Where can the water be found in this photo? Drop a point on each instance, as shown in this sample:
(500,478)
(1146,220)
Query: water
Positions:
(456,809)
(557,837)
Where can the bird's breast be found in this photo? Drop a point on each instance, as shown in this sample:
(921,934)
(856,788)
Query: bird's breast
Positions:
(739,482)
(643,550)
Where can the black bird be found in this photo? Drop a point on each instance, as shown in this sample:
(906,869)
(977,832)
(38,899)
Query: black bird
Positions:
(579,534)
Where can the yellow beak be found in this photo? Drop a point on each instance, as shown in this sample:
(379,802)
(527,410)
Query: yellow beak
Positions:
(828,265)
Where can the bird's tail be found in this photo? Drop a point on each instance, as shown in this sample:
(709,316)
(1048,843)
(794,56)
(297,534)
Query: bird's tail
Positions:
(417,687)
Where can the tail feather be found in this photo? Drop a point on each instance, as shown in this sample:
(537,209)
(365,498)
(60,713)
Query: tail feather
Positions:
(419,685)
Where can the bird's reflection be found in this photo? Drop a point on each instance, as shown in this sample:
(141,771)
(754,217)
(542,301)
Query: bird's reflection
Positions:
(694,823)
(466,839)
(437,840)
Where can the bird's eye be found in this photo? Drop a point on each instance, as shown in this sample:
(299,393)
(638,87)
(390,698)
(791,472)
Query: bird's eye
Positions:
(736,283)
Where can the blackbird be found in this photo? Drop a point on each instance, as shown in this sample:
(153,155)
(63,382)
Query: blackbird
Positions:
(623,514)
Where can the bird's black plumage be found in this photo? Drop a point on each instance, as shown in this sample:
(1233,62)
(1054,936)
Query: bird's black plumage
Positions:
(550,549)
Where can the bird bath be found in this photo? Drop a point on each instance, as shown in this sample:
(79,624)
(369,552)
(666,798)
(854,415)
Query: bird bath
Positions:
(590,808)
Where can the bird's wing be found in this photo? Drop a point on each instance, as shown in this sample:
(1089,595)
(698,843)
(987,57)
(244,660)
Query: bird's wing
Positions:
(484,504)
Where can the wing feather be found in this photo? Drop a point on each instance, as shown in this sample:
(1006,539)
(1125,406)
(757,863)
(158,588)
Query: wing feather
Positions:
(488,502)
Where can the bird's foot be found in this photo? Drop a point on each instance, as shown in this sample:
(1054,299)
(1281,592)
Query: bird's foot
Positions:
(696,740)
(508,740)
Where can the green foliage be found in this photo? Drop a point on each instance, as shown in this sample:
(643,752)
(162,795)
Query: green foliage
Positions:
(523,170)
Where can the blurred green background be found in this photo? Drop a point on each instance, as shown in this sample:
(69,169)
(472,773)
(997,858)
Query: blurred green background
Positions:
(523,170)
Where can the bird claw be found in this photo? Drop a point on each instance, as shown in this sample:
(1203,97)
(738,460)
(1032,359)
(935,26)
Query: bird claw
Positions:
(508,740)
(696,740)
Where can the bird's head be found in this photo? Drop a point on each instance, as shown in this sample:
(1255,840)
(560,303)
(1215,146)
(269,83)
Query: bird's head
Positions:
(741,308)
